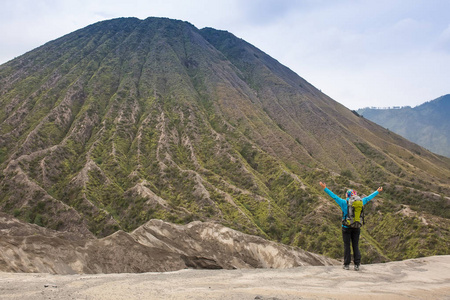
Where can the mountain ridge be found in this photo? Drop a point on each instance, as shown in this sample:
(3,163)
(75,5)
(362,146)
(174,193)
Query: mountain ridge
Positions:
(129,120)
(156,246)
(426,124)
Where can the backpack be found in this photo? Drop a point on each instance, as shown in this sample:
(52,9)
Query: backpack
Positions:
(355,213)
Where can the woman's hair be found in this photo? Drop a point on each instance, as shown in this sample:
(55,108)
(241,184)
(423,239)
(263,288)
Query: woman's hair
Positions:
(350,193)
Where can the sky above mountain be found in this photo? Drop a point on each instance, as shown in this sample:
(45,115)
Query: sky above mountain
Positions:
(360,53)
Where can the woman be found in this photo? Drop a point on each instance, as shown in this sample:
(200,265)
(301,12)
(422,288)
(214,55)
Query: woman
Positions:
(350,235)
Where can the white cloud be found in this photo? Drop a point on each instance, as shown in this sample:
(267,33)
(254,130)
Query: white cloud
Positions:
(443,42)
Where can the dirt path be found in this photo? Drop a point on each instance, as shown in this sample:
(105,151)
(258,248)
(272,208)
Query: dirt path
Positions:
(424,278)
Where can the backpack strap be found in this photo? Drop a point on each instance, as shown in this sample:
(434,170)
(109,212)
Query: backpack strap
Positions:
(362,216)
(345,214)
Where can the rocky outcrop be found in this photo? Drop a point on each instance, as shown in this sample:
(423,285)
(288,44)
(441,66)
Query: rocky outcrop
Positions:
(156,246)
(222,247)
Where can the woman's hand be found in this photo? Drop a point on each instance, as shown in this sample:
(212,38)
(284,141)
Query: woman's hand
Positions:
(380,189)
(322,184)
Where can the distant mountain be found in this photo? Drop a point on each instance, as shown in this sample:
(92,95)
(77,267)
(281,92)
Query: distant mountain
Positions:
(129,120)
(427,125)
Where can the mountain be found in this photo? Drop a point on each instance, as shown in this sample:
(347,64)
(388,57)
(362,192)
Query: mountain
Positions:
(427,125)
(129,120)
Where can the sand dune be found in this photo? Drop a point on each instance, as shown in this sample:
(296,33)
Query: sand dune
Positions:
(424,278)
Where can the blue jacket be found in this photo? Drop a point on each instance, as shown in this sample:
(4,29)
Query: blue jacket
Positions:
(343,203)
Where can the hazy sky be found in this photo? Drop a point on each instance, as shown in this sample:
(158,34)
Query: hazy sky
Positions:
(360,53)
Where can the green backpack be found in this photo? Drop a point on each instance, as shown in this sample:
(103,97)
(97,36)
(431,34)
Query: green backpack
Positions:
(355,213)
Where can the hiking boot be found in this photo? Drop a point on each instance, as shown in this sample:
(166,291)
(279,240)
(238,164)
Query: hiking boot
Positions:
(346,267)
(356,267)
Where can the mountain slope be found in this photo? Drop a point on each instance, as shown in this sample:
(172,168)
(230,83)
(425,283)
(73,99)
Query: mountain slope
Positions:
(129,120)
(427,125)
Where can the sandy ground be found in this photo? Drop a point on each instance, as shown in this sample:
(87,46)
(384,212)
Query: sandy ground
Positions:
(424,278)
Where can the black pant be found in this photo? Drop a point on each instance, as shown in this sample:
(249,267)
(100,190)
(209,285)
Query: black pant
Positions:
(351,235)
